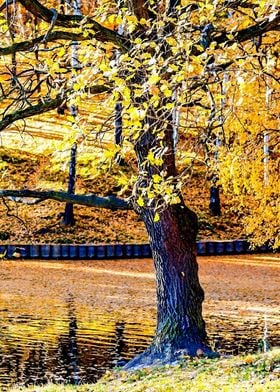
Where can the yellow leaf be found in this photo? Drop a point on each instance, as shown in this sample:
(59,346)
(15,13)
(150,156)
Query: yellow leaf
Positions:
(175,199)
(158,161)
(104,67)
(71,118)
(171,41)
(112,19)
(109,154)
(154,79)
(61,52)
(234,46)
(156,178)
(140,201)
(166,91)
(170,105)
(125,94)
(156,217)
(143,21)
(76,87)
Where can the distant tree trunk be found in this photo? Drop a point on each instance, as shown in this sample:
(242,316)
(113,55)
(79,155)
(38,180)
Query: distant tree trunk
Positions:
(215,204)
(118,131)
(68,216)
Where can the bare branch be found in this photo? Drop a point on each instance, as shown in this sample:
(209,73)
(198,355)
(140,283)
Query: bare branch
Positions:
(44,106)
(90,200)
(25,46)
(101,33)
(54,18)
(5,4)
(271,23)
(239,3)
(11,215)
(39,108)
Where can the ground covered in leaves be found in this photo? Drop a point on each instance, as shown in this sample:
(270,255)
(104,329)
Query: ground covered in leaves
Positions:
(42,222)
(243,374)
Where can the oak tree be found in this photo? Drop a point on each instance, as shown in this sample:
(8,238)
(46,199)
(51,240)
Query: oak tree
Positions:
(194,81)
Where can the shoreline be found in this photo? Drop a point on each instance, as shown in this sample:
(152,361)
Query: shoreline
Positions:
(121,251)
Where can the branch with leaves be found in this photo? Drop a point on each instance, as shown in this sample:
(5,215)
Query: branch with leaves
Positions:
(271,23)
(101,33)
(104,34)
(169,59)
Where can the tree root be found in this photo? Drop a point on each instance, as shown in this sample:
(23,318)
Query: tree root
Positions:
(168,355)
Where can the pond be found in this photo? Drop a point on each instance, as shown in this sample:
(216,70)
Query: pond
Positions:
(71,321)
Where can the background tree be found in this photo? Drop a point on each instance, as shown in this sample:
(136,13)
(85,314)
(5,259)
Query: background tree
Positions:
(172,56)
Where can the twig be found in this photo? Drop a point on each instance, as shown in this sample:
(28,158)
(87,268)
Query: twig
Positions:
(53,21)
(11,215)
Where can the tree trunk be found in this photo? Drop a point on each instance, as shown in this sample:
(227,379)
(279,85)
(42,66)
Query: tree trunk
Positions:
(180,329)
(68,216)
(215,204)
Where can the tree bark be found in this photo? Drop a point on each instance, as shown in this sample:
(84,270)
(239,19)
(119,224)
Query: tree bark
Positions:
(180,329)
(91,200)
(68,216)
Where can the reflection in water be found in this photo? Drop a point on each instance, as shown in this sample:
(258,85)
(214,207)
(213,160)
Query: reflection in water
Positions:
(119,346)
(37,355)
(57,350)
(67,352)
(74,337)
(229,335)
(33,369)
(83,355)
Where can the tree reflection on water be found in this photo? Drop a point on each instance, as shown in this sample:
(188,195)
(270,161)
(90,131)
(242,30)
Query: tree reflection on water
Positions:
(67,350)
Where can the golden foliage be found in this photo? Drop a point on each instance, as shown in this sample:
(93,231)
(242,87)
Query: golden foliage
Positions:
(226,91)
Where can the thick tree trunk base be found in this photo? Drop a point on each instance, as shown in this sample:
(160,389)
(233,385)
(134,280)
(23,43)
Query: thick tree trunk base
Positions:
(168,355)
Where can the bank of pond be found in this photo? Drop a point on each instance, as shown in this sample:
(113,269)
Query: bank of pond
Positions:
(250,373)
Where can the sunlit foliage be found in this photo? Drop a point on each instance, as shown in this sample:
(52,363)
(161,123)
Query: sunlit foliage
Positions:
(208,70)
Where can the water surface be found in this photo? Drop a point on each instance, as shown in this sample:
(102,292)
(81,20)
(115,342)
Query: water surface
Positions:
(70,321)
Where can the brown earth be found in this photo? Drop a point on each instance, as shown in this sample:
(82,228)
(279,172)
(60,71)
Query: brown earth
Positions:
(41,223)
